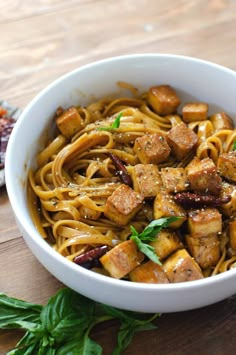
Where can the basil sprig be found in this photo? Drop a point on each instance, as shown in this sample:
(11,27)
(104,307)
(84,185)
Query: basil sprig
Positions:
(149,234)
(63,326)
(114,125)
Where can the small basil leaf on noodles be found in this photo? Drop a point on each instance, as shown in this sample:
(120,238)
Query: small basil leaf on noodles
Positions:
(149,234)
(134,231)
(234,145)
(114,125)
(146,249)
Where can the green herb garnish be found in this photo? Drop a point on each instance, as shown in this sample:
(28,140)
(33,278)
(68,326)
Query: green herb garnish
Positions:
(149,235)
(63,325)
(234,145)
(114,125)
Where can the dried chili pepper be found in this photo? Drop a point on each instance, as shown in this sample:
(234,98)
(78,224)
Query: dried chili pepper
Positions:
(90,258)
(193,200)
(121,170)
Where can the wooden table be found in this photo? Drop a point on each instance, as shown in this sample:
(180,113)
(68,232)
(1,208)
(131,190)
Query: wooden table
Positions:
(40,40)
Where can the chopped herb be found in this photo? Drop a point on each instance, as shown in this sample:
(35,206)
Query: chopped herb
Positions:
(149,235)
(234,145)
(114,125)
(63,326)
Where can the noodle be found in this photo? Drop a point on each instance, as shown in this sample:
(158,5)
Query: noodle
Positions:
(76,176)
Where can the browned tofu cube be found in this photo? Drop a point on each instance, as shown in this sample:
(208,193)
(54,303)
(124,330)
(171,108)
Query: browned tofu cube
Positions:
(146,179)
(152,149)
(181,267)
(227,165)
(174,179)
(228,209)
(232,234)
(166,243)
(196,111)
(203,176)
(182,140)
(163,99)
(221,121)
(69,122)
(165,206)
(206,250)
(123,204)
(123,258)
(149,272)
(204,222)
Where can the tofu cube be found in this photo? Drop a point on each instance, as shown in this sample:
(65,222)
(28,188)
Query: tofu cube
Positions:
(69,122)
(227,165)
(163,99)
(149,272)
(122,205)
(166,243)
(206,250)
(228,209)
(182,140)
(121,259)
(181,267)
(165,206)
(221,121)
(146,179)
(203,176)
(196,111)
(204,222)
(174,179)
(232,234)
(152,149)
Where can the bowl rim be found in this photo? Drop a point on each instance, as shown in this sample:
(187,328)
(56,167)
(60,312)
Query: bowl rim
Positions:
(32,231)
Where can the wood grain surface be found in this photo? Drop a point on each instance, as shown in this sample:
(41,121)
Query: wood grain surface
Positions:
(43,39)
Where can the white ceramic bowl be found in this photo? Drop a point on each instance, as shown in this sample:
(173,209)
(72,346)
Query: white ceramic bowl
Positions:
(192,78)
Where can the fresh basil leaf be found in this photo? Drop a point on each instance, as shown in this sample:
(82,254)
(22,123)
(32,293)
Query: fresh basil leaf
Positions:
(114,125)
(162,222)
(146,249)
(84,346)
(150,232)
(67,315)
(134,231)
(64,325)
(117,313)
(29,350)
(124,338)
(47,351)
(129,316)
(16,313)
(27,340)
(128,329)
(19,304)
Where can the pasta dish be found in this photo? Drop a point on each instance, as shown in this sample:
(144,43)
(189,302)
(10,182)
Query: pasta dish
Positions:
(140,187)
